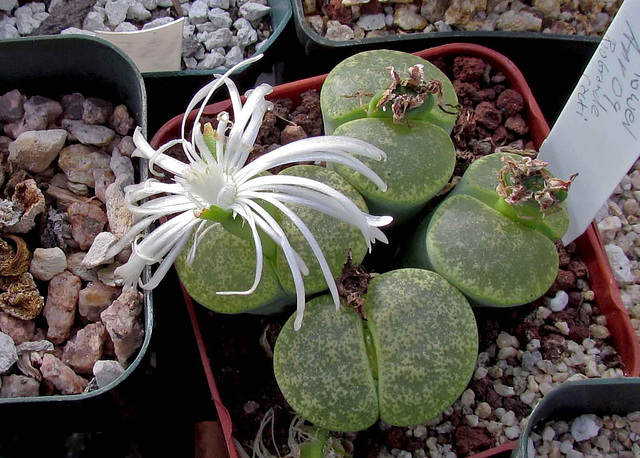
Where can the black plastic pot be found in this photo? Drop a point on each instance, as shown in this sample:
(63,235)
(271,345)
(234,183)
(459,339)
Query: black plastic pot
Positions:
(58,65)
(594,396)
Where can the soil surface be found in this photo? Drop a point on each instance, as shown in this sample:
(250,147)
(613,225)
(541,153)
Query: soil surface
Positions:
(506,384)
(356,19)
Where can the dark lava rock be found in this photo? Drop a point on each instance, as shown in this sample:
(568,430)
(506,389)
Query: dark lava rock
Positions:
(510,101)
(468,69)
(488,116)
(470,440)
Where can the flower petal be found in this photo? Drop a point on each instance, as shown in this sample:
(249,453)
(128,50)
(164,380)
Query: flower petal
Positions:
(271,160)
(313,243)
(253,110)
(204,94)
(168,261)
(249,218)
(292,258)
(143,149)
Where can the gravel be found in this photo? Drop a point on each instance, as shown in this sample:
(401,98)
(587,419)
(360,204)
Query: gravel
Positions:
(62,188)
(588,435)
(247,24)
(371,18)
(619,224)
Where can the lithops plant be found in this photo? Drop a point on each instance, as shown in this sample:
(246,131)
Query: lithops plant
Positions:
(355,87)
(217,195)
(335,238)
(493,237)
(406,362)
(405,106)
(226,262)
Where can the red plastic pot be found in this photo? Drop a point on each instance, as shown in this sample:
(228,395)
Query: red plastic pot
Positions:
(589,244)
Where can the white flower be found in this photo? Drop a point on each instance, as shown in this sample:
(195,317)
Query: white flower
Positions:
(218,187)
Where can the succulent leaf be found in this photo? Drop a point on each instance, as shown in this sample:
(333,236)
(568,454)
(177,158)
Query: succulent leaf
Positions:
(492,259)
(323,370)
(426,342)
(423,333)
(225,262)
(420,162)
(336,238)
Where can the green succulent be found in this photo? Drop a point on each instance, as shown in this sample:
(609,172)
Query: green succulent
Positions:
(405,363)
(484,246)
(405,106)
(225,258)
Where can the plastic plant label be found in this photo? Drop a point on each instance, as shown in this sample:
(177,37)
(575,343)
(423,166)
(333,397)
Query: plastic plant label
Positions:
(153,50)
(597,135)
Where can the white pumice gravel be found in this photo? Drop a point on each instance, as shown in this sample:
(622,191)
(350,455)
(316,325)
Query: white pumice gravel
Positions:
(251,20)
(588,435)
(619,224)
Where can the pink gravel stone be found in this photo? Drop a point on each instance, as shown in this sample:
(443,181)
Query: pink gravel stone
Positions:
(60,308)
(19,386)
(19,330)
(74,264)
(120,121)
(87,221)
(95,298)
(123,320)
(102,174)
(83,350)
(61,375)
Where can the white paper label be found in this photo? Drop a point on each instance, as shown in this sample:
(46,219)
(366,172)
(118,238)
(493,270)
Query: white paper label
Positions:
(154,50)
(598,132)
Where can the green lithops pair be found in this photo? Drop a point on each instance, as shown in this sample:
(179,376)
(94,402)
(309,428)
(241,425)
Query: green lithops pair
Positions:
(405,363)
(226,262)
(497,253)
(405,106)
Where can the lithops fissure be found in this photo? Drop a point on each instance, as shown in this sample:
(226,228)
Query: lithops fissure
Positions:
(406,363)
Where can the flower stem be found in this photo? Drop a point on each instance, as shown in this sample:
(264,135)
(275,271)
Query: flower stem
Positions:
(237,227)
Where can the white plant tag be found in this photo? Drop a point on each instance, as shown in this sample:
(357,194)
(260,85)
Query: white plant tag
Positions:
(154,50)
(597,134)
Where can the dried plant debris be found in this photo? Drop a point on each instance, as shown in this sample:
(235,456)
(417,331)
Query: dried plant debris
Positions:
(20,297)
(353,283)
(527,181)
(14,256)
(55,203)
(407,94)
